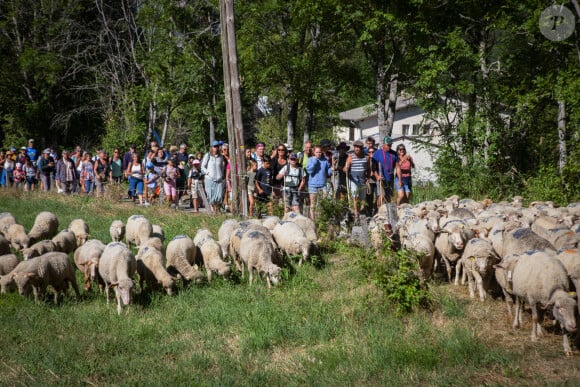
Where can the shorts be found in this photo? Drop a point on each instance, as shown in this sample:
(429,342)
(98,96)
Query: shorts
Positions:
(170,188)
(195,188)
(316,190)
(357,190)
(387,188)
(407,184)
(293,197)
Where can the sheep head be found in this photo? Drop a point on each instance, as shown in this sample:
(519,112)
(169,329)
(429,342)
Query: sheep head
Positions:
(123,290)
(563,307)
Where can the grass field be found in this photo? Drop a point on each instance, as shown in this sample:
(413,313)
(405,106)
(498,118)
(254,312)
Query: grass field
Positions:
(323,325)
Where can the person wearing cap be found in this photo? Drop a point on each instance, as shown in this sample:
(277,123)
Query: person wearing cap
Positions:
(356,170)
(19,176)
(67,174)
(387,160)
(319,169)
(31,151)
(213,167)
(45,169)
(152,187)
(194,184)
(9,165)
(403,182)
(21,157)
(293,177)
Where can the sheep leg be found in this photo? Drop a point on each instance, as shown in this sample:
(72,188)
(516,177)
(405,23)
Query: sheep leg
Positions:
(209,272)
(448,267)
(118,297)
(458,267)
(470,283)
(517,321)
(534,322)
(509,302)
(566,343)
(251,273)
(479,284)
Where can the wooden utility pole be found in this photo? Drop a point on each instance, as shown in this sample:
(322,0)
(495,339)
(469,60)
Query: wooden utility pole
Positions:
(233,108)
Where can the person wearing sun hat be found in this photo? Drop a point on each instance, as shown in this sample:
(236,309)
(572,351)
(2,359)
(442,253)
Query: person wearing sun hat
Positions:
(387,161)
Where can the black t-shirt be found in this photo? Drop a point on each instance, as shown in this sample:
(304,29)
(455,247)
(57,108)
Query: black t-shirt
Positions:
(264,177)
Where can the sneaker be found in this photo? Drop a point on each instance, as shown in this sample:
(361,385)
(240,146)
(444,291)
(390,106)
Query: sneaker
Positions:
(60,190)
(146,204)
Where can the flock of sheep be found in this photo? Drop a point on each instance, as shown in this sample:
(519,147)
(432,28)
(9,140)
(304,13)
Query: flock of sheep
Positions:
(532,252)
(259,246)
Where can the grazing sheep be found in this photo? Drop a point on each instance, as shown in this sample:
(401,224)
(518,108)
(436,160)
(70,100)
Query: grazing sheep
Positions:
(138,230)
(17,236)
(54,269)
(117,266)
(270,222)
(234,247)
(87,259)
(503,275)
(117,230)
(477,260)
(45,226)
(291,239)
(542,279)
(38,249)
(65,241)
(521,240)
(180,258)
(81,230)
(256,252)
(6,220)
(151,270)
(570,258)
(424,247)
(305,223)
(451,242)
(157,232)
(211,253)
(7,263)
(224,233)
(4,245)
(154,243)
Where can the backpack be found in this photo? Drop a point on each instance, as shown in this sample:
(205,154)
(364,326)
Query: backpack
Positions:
(289,179)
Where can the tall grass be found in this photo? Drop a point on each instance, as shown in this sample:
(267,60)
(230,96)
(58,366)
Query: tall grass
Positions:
(322,326)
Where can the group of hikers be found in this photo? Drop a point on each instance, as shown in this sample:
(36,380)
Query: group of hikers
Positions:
(367,176)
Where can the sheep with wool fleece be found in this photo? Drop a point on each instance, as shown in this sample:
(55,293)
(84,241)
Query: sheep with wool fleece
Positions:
(224,234)
(152,270)
(65,241)
(477,261)
(87,259)
(256,252)
(6,220)
(305,223)
(422,245)
(211,254)
(7,263)
(292,240)
(45,226)
(18,237)
(137,230)
(542,279)
(180,258)
(450,243)
(117,267)
(38,249)
(81,230)
(51,269)
(570,258)
(157,232)
(117,230)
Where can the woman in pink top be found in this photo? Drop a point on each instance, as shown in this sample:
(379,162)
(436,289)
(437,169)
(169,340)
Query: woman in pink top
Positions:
(403,181)
(170,175)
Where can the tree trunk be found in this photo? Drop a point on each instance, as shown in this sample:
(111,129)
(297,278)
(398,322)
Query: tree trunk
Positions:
(562,137)
(310,123)
(291,122)
(392,104)
(381,100)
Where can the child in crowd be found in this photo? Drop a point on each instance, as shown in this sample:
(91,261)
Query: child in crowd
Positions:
(87,173)
(170,175)
(252,167)
(263,181)
(31,179)
(19,176)
(194,185)
(293,176)
(151,184)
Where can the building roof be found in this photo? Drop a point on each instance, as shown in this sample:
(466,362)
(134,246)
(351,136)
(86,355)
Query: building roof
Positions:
(360,113)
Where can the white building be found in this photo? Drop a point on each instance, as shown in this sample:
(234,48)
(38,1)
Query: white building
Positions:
(410,128)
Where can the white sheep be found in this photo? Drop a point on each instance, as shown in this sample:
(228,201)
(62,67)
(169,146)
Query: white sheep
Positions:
(153,242)
(524,239)
(117,266)
(157,232)
(45,226)
(6,220)
(87,259)
(4,245)
(7,263)
(51,269)
(450,243)
(305,223)
(422,245)
(38,249)
(18,237)
(503,275)
(181,257)
(224,233)
(270,222)
(570,258)
(256,252)
(292,240)
(81,230)
(65,241)
(211,253)
(152,271)
(477,260)
(117,230)
(138,230)
(542,279)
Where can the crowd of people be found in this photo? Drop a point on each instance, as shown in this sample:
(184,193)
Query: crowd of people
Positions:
(367,177)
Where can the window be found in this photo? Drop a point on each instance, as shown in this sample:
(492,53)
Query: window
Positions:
(416,129)
(405,130)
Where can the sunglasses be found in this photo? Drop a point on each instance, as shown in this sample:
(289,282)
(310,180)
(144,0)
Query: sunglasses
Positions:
(282,149)
(401,149)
